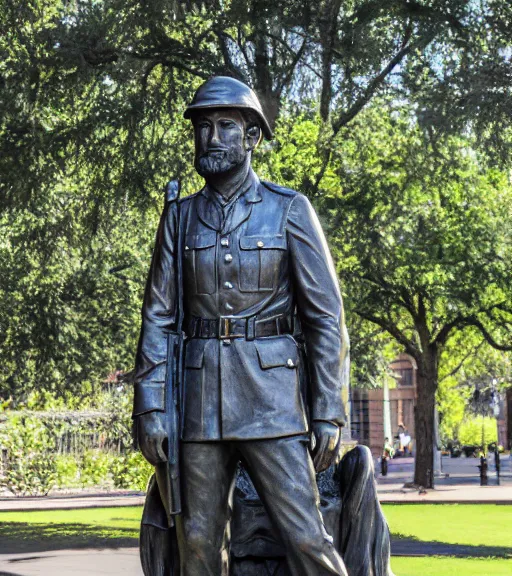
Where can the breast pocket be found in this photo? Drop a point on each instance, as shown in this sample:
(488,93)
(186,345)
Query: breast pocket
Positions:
(199,262)
(260,261)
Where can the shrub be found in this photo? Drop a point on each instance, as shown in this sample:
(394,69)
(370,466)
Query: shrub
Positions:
(94,468)
(131,471)
(68,473)
(470,431)
(29,460)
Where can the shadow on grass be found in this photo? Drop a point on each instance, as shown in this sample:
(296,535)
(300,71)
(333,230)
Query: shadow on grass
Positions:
(407,546)
(21,537)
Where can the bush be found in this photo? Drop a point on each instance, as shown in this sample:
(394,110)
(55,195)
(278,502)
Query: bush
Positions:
(68,473)
(94,466)
(34,446)
(131,471)
(470,431)
(29,461)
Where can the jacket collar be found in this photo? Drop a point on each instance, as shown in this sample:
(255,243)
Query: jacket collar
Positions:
(211,214)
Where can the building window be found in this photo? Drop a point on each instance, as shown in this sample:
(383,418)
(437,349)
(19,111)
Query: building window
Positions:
(404,376)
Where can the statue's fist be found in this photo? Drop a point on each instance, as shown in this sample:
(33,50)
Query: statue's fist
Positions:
(152,437)
(325,444)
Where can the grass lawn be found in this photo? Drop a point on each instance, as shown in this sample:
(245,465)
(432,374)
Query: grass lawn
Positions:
(469,524)
(451,566)
(59,529)
(484,525)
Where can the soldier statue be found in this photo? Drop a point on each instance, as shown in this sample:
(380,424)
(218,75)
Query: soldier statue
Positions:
(243,349)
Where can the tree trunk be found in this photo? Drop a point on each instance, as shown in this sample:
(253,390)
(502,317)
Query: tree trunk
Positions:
(263,77)
(424,419)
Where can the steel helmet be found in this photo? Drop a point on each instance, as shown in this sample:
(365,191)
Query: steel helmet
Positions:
(226,92)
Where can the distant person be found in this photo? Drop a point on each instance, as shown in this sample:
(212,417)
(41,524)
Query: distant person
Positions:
(387,453)
(404,439)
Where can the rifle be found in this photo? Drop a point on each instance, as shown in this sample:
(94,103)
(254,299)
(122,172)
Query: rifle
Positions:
(168,473)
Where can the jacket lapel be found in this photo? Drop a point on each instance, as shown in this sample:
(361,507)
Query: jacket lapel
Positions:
(210,213)
(208,210)
(243,205)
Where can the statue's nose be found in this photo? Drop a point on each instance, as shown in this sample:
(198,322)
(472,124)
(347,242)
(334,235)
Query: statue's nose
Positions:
(214,136)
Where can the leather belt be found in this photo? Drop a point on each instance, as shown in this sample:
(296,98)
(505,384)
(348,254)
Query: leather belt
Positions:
(226,327)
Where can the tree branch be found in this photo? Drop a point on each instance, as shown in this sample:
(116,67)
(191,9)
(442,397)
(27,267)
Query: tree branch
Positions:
(291,68)
(393,331)
(471,320)
(489,339)
(461,363)
(345,117)
(228,62)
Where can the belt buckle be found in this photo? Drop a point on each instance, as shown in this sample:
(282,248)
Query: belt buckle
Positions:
(224,328)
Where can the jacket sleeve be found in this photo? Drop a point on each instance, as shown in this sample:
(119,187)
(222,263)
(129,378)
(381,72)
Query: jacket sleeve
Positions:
(320,310)
(159,317)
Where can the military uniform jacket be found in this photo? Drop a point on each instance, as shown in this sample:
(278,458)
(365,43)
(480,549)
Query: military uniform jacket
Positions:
(264,258)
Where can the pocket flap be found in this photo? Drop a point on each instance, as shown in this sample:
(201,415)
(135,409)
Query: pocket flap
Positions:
(261,242)
(198,241)
(194,354)
(274,352)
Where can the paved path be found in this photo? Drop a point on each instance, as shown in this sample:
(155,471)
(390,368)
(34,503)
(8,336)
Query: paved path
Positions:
(462,483)
(69,502)
(123,562)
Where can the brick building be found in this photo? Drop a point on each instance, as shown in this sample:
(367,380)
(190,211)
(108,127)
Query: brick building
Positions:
(369,421)
(368,418)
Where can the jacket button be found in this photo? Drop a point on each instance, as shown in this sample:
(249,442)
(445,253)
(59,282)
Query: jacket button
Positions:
(224,242)
(260,244)
(228,285)
(228,306)
(290,363)
(228,257)
(187,248)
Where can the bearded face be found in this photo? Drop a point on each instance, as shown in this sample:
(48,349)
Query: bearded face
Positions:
(219,140)
(220,161)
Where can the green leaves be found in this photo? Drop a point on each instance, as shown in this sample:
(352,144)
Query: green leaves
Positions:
(30,465)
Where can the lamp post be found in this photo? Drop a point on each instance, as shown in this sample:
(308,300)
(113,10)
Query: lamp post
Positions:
(496,412)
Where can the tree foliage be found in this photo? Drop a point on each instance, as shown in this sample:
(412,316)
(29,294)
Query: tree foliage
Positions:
(423,239)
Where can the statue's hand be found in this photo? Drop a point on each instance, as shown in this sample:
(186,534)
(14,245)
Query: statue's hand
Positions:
(327,436)
(152,437)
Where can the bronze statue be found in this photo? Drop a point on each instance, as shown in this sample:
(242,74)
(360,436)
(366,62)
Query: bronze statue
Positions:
(242,353)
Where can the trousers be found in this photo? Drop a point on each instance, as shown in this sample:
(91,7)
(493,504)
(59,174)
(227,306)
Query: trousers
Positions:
(282,472)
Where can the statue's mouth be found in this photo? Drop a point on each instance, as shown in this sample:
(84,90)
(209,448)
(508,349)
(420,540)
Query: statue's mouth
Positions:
(215,152)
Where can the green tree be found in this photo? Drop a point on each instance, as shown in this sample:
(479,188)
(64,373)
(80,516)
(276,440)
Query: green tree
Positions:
(468,364)
(422,236)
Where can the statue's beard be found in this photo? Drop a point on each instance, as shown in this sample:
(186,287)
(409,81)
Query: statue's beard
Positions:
(220,161)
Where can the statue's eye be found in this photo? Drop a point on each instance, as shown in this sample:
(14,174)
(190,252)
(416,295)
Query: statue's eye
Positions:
(227,124)
(203,125)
